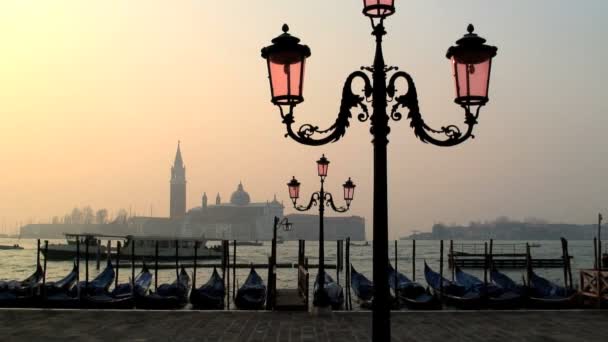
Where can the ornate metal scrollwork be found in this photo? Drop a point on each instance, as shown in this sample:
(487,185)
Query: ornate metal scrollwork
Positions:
(307,132)
(314,200)
(410,101)
(329,199)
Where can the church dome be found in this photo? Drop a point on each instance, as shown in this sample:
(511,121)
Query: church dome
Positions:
(240,196)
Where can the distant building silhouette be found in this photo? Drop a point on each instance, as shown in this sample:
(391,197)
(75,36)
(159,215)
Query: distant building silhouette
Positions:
(177,206)
(239,219)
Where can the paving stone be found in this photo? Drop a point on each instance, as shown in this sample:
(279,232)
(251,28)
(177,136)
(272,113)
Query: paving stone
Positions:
(240,326)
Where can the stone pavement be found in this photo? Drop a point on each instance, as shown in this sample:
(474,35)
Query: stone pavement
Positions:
(90,325)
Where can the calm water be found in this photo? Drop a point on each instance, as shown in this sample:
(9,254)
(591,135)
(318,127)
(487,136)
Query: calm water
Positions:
(18,264)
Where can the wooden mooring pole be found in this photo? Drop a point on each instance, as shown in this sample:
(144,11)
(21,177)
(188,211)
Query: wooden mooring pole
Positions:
(86,265)
(485,267)
(117,263)
(451,260)
(98,256)
(133,267)
(348,275)
(414,260)
(155,266)
(396,283)
(441,269)
(78,266)
(194,266)
(234,270)
(46,253)
(38,253)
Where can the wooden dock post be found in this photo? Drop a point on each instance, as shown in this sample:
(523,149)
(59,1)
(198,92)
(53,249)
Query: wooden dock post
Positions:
(528,264)
(234,270)
(595,255)
(194,268)
(133,267)
(491,256)
(155,266)
(395,277)
(485,267)
(441,269)
(565,268)
(98,256)
(86,265)
(38,253)
(46,252)
(451,263)
(414,260)
(78,266)
(347,275)
(228,273)
(117,263)
(338,261)
(177,259)
(599,241)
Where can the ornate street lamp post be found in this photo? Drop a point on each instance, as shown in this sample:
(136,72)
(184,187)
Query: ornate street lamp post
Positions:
(471,60)
(321,198)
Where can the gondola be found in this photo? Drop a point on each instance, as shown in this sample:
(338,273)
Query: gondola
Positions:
(22,293)
(543,294)
(62,285)
(410,293)
(454,294)
(63,295)
(333,290)
(252,295)
(100,283)
(210,296)
(363,287)
(121,297)
(494,296)
(168,296)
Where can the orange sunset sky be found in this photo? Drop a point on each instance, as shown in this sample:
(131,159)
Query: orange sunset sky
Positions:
(94,96)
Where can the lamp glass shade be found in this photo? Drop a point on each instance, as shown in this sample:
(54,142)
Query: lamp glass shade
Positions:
(286,71)
(472,81)
(349,191)
(322,166)
(294,189)
(378,8)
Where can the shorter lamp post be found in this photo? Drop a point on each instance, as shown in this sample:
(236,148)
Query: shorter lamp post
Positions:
(321,198)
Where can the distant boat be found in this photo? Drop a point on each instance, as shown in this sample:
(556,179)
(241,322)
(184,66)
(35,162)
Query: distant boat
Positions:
(145,248)
(8,247)
(366,243)
(249,243)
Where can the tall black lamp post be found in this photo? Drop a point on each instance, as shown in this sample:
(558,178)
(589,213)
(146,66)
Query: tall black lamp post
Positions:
(471,60)
(321,198)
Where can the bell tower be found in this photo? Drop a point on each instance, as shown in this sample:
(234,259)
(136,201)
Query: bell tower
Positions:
(177,206)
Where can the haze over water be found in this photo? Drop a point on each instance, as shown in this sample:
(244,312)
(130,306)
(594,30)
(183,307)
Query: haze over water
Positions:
(95,94)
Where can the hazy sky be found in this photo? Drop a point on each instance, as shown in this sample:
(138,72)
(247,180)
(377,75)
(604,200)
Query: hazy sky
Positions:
(95,94)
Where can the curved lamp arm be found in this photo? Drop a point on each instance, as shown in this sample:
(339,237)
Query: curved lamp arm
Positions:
(329,199)
(306,133)
(314,200)
(421,129)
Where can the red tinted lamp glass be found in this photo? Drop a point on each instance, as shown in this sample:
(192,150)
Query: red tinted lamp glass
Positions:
(349,191)
(322,166)
(378,8)
(294,189)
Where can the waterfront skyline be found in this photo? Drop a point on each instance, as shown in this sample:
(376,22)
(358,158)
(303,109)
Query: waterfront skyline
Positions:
(95,95)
